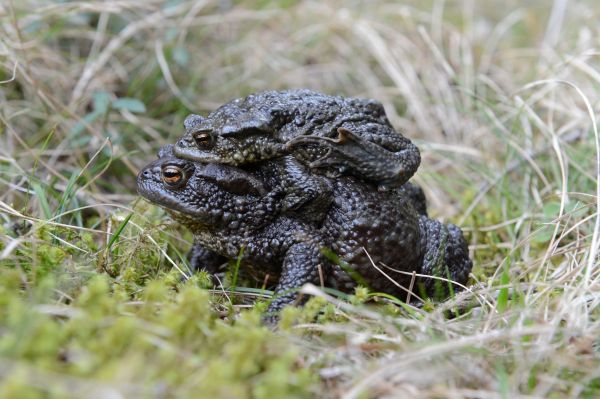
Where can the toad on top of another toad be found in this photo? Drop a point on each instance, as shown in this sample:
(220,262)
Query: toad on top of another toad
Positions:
(332,134)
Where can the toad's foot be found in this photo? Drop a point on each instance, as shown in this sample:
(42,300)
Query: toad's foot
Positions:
(446,258)
(304,263)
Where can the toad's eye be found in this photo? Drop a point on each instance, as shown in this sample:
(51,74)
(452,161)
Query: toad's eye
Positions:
(173,176)
(204,139)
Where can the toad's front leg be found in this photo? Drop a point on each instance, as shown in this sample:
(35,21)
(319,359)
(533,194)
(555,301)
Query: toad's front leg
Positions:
(204,259)
(303,263)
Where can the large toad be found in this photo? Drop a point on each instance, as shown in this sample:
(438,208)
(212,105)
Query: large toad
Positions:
(330,134)
(233,211)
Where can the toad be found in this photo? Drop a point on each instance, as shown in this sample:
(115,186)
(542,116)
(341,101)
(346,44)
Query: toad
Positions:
(331,134)
(235,212)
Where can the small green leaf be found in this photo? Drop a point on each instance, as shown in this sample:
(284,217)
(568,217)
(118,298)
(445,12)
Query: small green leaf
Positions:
(543,235)
(80,126)
(129,104)
(550,210)
(181,56)
(101,100)
(33,27)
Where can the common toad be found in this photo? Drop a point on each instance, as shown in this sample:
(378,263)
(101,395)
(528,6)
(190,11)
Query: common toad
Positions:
(330,134)
(233,211)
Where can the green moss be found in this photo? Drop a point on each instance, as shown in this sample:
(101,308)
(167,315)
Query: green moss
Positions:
(361,295)
(17,384)
(50,256)
(171,337)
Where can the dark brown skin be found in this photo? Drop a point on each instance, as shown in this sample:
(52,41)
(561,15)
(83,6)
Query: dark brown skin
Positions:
(330,134)
(228,209)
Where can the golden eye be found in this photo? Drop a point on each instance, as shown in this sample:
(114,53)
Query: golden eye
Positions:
(203,139)
(173,175)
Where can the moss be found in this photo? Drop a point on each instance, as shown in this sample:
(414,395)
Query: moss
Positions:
(172,337)
(50,256)
(17,385)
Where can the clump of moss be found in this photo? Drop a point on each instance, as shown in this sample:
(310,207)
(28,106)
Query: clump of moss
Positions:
(169,338)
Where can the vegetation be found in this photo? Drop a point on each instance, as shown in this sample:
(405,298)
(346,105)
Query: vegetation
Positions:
(94,295)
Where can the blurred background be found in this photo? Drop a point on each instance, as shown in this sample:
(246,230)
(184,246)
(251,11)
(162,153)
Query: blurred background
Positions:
(451,75)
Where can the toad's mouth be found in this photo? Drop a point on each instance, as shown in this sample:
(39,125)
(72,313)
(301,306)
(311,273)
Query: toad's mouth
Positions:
(246,193)
(188,220)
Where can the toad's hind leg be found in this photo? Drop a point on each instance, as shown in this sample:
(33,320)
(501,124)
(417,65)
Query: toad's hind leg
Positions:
(446,256)
(354,155)
(416,197)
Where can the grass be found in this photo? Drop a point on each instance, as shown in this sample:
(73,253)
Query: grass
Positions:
(502,101)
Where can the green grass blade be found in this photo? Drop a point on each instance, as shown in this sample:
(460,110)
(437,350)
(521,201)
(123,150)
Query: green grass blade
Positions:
(41,194)
(236,269)
(502,303)
(67,194)
(118,232)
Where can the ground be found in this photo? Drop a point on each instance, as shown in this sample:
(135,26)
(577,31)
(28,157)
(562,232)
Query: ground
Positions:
(502,100)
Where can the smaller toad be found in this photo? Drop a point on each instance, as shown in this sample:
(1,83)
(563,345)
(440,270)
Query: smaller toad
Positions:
(330,134)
